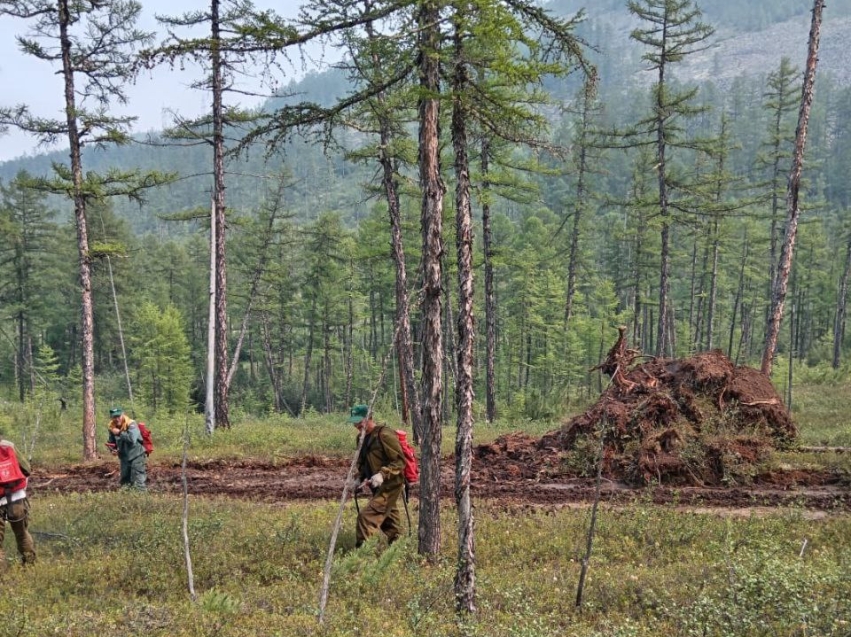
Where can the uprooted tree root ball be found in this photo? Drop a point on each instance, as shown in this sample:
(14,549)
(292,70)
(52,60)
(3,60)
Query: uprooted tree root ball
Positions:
(699,421)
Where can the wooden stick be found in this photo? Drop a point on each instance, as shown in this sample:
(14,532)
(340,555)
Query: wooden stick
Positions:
(190,578)
(591,528)
(329,559)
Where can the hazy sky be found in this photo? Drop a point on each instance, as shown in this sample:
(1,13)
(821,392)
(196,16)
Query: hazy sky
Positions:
(27,80)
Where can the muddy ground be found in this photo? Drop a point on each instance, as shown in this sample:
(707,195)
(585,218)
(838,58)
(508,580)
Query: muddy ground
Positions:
(504,481)
(695,432)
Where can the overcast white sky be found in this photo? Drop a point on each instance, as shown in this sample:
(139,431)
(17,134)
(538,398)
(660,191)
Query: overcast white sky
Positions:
(26,80)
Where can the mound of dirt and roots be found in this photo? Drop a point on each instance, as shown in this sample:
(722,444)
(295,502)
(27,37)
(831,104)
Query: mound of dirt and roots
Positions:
(698,421)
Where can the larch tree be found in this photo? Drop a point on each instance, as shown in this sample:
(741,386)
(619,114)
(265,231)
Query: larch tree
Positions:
(671,30)
(384,62)
(224,55)
(841,307)
(719,193)
(26,230)
(781,278)
(585,157)
(93,44)
(465,581)
(494,52)
(431,221)
(781,97)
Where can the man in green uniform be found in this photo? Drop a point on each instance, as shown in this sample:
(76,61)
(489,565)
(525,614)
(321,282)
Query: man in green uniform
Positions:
(380,465)
(14,505)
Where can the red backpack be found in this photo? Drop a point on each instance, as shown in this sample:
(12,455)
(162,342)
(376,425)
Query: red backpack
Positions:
(147,441)
(11,476)
(412,469)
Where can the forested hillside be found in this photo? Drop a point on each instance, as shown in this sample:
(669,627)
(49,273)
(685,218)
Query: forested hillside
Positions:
(574,237)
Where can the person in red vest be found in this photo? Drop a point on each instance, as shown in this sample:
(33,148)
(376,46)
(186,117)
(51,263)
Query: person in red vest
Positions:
(14,505)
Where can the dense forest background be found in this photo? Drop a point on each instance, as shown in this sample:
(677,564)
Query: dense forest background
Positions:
(309,241)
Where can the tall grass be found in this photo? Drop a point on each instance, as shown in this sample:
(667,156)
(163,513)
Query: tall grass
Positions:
(112,564)
(822,412)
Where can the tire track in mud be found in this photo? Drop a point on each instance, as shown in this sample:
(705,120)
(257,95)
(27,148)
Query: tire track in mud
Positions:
(322,477)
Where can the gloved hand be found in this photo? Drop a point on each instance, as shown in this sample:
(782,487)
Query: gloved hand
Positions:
(376,481)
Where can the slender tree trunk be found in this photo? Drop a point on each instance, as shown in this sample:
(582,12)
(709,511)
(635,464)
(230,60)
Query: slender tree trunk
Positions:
(713,287)
(256,275)
(373,321)
(841,308)
(269,358)
(326,365)
(778,294)
(403,312)
(350,331)
(209,401)
(20,357)
(737,302)
(792,347)
(490,299)
(432,216)
(465,574)
(308,355)
(87,308)
(776,173)
(221,398)
(581,193)
(521,347)
(664,250)
(700,319)
(694,312)
(638,310)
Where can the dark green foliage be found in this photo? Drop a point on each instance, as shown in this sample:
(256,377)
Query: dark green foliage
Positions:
(330,245)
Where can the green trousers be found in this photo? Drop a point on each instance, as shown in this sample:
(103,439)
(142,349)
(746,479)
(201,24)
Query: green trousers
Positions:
(134,473)
(382,513)
(17,515)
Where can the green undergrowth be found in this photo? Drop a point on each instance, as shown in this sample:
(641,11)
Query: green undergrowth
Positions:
(114,564)
(821,412)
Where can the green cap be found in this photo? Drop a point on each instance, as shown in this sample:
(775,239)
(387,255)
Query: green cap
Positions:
(115,412)
(358,413)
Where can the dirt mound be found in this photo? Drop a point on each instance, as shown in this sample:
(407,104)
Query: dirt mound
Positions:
(698,421)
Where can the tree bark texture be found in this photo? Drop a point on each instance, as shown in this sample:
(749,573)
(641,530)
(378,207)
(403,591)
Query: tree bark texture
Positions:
(210,396)
(221,398)
(432,226)
(465,574)
(784,266)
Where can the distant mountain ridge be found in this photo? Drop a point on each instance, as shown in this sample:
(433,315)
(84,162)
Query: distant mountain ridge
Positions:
(746,42)
(733,52)
(755,53)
